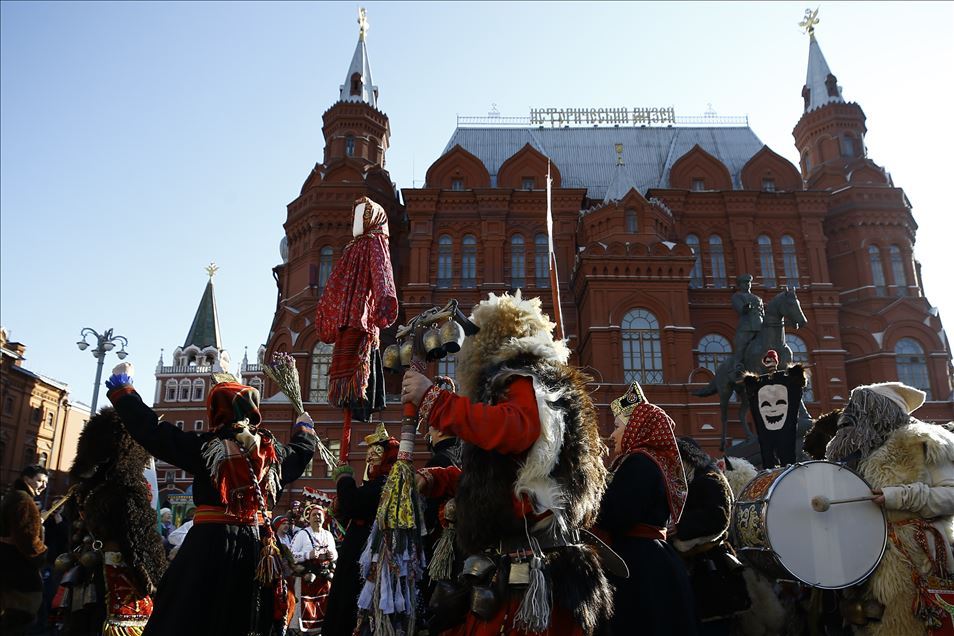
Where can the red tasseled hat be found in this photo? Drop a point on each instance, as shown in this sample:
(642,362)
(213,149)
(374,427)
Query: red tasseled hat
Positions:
(230,402)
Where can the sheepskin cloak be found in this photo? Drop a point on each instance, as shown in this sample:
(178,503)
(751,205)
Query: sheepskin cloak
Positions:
(915,469)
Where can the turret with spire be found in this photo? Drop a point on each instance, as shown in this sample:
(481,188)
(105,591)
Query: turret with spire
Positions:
(354,128)
(830,135)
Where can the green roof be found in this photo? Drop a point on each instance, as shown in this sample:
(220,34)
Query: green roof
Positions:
(205,326)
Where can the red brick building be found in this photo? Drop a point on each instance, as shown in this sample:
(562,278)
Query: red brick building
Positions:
(39,423)
(652,223)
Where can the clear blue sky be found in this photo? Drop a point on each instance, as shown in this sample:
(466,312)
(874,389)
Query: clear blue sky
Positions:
(139,141)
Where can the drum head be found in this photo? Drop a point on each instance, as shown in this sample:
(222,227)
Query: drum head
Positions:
(833,549)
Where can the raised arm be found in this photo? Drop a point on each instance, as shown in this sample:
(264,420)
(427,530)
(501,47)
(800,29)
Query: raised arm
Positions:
(163,440)
(301,449)
(510,426)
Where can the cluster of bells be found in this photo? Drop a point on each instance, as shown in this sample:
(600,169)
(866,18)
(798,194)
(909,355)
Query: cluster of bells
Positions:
(437,342)
(83,554)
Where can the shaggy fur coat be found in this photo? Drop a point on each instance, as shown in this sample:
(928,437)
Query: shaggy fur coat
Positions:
(562,472)
(109,487)
(915,469)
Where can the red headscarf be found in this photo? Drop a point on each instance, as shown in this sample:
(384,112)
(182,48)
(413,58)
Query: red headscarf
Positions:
(650,431)
(230,402)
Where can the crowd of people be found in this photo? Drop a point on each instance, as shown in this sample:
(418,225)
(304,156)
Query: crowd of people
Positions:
(532,522)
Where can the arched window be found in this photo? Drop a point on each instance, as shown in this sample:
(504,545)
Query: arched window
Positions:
(806,162)
(257,384)
(695,277)
(445,261)
(877,271)
(848,148)
(447,366)
(44,458)
(518,262)
(790,261)
(541,260)
(185,390)
(713,350)
(642,354)
(767,260)
(349,146)
(324,267)
(171,388)
(355,84)
(320,363)
(198,390)
(912,365)
(468,262)
(800,356)
(717,260)
(897,270)
(632,225)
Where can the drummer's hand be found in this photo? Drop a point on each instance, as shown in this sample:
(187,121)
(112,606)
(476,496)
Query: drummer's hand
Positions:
(880,498)
(414,386)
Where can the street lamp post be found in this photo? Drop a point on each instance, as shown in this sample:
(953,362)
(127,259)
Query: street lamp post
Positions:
(105,342)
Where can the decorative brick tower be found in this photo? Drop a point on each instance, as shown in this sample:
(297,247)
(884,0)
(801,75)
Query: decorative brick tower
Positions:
(888,328)
(317,229)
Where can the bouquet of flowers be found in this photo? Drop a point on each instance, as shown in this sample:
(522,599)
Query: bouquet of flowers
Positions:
(284,373)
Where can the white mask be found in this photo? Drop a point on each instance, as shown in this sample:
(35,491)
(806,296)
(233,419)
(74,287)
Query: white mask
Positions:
(773,405)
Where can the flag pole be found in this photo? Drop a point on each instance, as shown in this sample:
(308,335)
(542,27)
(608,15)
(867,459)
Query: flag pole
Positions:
(554,279)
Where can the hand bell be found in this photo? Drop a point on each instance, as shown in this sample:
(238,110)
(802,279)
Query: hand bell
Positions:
(433,344)
(90,559)
(64,562)
(392,358)
(452,336)
(407,353)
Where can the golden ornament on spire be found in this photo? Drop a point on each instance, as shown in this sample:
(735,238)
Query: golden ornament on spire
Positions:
(811,19)
(211,269)
(362,23)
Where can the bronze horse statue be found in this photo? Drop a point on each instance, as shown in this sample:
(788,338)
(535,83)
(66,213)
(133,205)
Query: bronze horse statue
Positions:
(784,307)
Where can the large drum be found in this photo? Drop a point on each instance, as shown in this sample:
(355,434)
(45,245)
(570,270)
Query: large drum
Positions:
(777,529)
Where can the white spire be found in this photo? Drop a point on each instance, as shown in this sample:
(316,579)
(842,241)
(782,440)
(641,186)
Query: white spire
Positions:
(821,84)
(358,85)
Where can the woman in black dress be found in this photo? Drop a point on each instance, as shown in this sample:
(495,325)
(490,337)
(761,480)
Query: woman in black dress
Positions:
(211,587)
(647,493)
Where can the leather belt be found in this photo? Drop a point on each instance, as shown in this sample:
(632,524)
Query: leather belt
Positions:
(646,531)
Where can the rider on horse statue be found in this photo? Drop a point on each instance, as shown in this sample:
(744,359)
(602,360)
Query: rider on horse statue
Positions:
(751,312)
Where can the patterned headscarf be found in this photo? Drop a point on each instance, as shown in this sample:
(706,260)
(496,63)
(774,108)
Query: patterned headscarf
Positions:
(230,402)
(650,431)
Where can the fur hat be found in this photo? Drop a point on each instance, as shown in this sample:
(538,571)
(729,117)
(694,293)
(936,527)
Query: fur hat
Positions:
(510,327)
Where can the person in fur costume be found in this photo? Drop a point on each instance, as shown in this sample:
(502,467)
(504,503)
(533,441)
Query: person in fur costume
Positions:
(532,475)
(227,577)
(910,466)
(115,504)
(820,433)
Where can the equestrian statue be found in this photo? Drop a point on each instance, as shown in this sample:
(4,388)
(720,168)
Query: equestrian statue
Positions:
(760,329)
